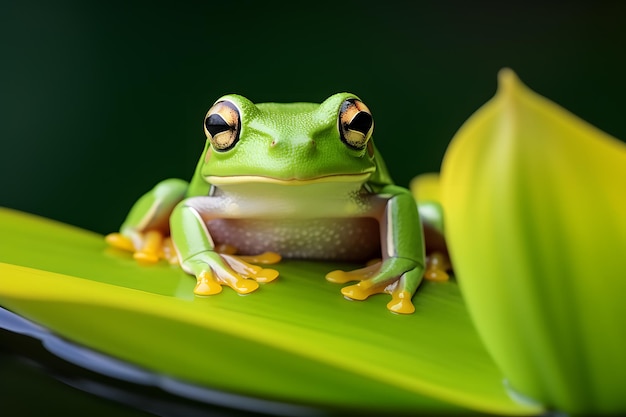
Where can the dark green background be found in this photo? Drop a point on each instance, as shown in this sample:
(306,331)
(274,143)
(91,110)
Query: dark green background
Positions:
(100,100)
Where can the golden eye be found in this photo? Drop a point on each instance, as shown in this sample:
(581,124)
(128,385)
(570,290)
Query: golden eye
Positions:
(222,125)
(355,123)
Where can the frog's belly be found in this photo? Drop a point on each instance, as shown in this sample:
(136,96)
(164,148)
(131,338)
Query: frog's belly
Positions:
(342,239)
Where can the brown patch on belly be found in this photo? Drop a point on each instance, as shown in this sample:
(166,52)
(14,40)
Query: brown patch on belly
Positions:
(354,240)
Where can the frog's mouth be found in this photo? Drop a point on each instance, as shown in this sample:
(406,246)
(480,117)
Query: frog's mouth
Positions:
(250,179)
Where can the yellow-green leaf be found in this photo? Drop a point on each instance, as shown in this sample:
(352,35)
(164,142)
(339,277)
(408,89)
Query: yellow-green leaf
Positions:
(535,210)
(295,340)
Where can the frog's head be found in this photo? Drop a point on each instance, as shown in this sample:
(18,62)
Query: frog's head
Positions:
(291,144)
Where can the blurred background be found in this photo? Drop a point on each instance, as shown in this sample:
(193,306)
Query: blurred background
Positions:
(101,100)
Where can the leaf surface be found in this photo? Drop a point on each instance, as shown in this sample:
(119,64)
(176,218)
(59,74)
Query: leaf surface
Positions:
(295,340)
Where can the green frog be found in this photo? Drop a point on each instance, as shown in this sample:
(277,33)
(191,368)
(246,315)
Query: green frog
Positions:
(293,180)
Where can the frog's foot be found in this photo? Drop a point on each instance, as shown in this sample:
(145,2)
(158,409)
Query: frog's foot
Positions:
(119,241)
(168,251)
(398,277)
(148,247)
(214,270)
(266,258)
(437,265)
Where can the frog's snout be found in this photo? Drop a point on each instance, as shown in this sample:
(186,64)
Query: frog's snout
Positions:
(299,145)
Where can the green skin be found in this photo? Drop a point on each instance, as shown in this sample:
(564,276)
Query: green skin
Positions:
(288,174)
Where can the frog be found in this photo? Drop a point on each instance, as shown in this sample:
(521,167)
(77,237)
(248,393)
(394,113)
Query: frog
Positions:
(284,180)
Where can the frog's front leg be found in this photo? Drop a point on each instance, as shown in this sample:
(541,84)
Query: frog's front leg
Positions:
(401,270)
(198,255)
(145,232)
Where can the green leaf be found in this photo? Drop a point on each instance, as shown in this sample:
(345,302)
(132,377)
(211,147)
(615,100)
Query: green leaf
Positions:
(295,340)
(534,206)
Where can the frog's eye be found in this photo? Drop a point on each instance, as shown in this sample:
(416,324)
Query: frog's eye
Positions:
(222,125)
(355,123)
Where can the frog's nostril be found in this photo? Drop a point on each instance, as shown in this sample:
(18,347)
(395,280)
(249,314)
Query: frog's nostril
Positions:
(301,144)
(307,146)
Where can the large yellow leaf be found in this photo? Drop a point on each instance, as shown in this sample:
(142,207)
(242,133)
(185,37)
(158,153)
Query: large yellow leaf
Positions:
(535,210)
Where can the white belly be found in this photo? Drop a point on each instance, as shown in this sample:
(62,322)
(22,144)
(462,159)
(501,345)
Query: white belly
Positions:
(338,239)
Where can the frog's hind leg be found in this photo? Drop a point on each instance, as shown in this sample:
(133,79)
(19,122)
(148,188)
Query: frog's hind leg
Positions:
(426,190)
(213,270)
(437,258)
(265,258)
(342,277)
(437,267)
(145,232)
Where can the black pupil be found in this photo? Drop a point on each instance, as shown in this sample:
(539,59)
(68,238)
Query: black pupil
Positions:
(215,124)
(362,122)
